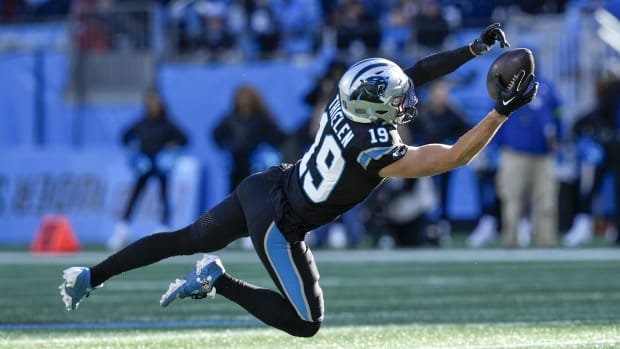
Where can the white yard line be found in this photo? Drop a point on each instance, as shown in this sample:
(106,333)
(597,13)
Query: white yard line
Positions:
(355,256)
(555,345)
(96,340)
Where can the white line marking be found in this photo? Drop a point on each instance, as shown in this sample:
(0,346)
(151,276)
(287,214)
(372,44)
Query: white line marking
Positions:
(354,256)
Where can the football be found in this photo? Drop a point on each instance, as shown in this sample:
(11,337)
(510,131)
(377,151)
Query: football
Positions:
(507,65)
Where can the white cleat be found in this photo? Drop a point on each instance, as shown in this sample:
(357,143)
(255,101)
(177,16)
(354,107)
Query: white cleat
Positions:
(120,236)
(485,232)
(581,232)
(75,287)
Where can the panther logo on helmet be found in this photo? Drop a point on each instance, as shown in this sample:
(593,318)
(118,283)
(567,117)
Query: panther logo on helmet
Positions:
(372,89)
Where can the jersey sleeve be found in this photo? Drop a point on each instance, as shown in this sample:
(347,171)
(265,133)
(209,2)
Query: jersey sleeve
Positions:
(377,155)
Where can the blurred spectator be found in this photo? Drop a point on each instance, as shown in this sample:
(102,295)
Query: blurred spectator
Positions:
(526,178)
(377,8)
(396,27)
(33,10)
(214,38)
(396,214)
(131,26)
(10,10)
(485,165)
(347,231)
(477,13)
(263,27)
(105,25)
(184,24)
(251,135)
(91,31)
(598,146)
(357,29)
(590,168)
(299,22)
(47,9)
(610,117)
(439,122)
(154,142)
(201,26)
(542,6)
(247,127)
(431,25)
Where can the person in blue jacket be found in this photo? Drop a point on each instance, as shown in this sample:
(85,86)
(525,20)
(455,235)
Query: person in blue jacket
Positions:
(526,178)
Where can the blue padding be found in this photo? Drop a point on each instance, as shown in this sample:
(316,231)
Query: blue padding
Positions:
(463,198)
(200,96)
(90,188)
(16,100)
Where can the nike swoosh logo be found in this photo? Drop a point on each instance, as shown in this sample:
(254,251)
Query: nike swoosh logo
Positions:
(508,101)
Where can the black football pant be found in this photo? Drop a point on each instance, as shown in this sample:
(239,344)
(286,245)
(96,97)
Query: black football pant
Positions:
(298,306)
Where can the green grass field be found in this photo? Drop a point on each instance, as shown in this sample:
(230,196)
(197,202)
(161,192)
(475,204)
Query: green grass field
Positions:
(449,298)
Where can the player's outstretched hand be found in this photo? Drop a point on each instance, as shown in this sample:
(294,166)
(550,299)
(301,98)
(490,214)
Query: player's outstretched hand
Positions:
(487,39)
(518,94)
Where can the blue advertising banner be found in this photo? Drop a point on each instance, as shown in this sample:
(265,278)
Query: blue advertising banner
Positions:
(91,188)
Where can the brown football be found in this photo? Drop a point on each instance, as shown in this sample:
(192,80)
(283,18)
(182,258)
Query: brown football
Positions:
(507,65)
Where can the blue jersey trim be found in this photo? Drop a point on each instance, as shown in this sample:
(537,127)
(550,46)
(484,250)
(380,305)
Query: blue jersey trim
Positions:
(372,154)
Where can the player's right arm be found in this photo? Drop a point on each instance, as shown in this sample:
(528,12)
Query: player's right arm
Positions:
(432,159)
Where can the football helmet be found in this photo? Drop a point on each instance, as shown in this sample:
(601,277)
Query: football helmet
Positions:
(376,90)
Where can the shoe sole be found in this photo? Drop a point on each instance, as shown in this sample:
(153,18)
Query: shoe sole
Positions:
(68,300)
(172,293)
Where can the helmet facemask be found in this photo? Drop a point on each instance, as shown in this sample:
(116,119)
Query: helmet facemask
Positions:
(406,105)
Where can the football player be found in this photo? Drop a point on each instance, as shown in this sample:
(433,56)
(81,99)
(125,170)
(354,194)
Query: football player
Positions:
(356,147)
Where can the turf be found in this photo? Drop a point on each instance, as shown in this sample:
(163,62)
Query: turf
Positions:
(372,299)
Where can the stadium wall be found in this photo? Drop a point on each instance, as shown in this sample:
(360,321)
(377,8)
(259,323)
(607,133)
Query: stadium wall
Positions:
(90,187)
(47,143)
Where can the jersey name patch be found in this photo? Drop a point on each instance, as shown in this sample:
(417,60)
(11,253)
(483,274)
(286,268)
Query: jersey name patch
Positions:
(337,120)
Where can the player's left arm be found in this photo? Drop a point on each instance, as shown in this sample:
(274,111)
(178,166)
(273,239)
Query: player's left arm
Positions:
(439,64)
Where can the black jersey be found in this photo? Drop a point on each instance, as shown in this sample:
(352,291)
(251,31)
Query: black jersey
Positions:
(341,167)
